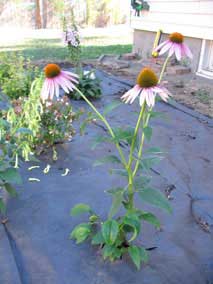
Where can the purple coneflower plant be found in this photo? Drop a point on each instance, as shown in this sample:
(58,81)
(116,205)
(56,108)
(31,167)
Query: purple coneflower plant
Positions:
(71,37)
(146,88)
(56,78)
(175,45)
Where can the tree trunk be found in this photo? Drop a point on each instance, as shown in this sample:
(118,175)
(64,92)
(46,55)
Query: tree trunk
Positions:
(38,24)
(44,13)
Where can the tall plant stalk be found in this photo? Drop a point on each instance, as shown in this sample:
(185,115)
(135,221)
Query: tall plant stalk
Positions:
(143,119)
(117,234)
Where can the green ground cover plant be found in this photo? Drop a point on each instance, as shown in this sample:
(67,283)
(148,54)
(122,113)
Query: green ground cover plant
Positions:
(16,75)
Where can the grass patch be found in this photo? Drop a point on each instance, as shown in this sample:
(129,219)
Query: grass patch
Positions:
(53,49)
(203,95)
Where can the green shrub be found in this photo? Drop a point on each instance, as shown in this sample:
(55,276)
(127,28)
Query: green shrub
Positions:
(16,75)
(56,123)
(89,85)
(19,123)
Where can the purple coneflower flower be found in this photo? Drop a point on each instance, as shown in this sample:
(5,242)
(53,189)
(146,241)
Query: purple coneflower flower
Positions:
(146,88)
(71,37)
(56,78)
(175,45)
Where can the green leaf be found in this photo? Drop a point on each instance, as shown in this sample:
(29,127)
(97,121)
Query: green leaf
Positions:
(108,159)
(24,130)
(98,239)
(124,135)
(80,209)
(148,132)
(155,197)
(111,107)
(100,139)
(154,150)
(120,172)
(141,181)
(131,223)
(11,175)
(93,219)
(107,251)
(148,163)
(10,189)
(144,255)
(110,230)
(4,165)
(135,255)
(83,126)
(154,114)
(111,252)
(116,202)
(150,218)
(81,232)
(2,206)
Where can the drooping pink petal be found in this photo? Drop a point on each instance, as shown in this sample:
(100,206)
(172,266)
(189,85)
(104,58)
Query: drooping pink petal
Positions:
(48,89)
(70,73)
(126,94)
(171,50)
(56,89)
(161,45)
(177,48)
(62,84)
(52,88)
(146,92)
(129,98)
(70,78)
(187,51)
(142,97)
(162,92)
(151,97)
(166,47)
(67,83)
(131,95)
(44,91)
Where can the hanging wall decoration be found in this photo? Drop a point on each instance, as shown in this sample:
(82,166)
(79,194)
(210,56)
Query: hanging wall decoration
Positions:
(139,5)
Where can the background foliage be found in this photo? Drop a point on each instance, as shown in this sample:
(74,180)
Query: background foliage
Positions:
(48,13)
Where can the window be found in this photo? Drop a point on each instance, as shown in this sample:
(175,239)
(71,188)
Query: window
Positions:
(206,59)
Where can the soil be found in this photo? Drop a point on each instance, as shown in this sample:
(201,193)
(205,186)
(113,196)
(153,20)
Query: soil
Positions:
(189,89)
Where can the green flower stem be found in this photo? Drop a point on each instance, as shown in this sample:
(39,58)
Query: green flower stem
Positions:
(135,134)
(147,122)
(163,70)
(129,169)
(141,145)
(107,125)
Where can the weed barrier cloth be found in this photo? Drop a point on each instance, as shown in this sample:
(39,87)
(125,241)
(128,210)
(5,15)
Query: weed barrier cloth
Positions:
(35,241)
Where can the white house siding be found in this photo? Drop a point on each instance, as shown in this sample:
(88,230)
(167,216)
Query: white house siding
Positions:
(193,18)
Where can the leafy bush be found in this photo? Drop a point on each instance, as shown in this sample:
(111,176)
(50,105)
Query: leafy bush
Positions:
(17,129)
(56,123)
(89,84)
(16,75)
(24,117)
(8,174)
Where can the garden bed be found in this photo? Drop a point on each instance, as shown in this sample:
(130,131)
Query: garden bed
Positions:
(39,222)
(187,88)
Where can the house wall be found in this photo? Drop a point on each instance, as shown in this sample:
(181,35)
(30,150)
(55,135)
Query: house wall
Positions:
(192,18)
(143,44)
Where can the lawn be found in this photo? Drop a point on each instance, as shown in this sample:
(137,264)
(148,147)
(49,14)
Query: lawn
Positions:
(53,49)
